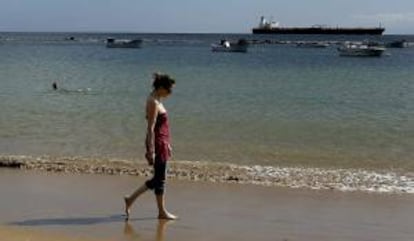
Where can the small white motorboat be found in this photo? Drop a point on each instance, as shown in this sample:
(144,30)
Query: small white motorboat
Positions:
(361,50)
(123,43)
(226,46)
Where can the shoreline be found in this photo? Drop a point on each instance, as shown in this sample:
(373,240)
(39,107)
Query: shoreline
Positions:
(292,177)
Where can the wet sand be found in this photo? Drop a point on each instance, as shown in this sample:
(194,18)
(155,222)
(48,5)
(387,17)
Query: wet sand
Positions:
(25,234)
(83,207)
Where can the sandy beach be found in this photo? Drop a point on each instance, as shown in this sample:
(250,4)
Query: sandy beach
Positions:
(36,204)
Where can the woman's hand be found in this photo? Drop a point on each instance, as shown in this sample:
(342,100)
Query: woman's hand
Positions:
(150,156)
(170,149)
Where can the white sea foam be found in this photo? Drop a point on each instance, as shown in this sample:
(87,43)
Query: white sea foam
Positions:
(338,179)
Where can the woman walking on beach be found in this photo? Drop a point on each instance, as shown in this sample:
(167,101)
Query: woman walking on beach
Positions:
(158,149)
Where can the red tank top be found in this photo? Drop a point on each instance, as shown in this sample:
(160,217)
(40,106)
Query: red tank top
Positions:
(162,137)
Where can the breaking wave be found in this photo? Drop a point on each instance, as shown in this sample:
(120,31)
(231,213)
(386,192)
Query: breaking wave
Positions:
(292,177)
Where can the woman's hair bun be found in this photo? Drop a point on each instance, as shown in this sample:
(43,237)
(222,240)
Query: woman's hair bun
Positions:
(162,81)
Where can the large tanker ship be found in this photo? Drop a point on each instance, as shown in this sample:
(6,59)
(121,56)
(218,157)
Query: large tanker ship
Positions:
(266,27)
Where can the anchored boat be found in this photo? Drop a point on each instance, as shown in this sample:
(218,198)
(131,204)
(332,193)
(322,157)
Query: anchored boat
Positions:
(226,46)
(361,50)
(123,43)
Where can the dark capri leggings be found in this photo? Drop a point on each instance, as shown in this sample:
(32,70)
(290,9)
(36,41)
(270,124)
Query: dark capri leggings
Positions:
(157,183)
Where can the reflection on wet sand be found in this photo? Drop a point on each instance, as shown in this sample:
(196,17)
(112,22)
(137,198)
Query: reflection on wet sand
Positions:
(132,235)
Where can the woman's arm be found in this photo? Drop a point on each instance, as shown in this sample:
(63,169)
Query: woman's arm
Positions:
(152,112)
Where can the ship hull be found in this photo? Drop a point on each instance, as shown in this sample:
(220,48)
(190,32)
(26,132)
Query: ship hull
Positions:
(337,31)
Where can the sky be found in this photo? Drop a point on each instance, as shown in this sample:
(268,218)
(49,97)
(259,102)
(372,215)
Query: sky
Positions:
(200,16)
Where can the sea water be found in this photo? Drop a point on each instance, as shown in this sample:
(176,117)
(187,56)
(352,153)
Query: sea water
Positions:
(277,105)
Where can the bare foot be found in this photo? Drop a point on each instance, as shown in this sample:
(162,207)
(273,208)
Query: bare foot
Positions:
(127,206)
(167,216)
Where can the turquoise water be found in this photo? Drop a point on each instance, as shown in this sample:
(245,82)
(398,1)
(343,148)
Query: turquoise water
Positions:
(275,105)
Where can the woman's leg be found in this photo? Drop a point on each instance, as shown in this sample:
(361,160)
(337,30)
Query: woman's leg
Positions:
(162,211)
(129,200)
(157,183)
(160,168)
(150,184)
